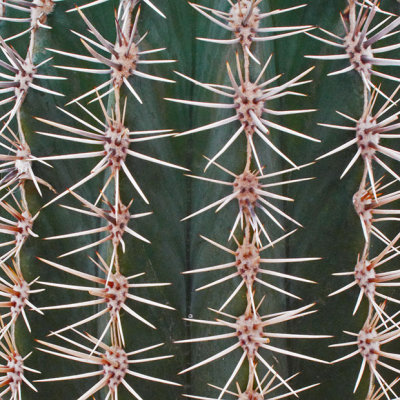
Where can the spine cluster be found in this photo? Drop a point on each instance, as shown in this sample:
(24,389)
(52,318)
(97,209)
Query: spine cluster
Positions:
(250,97)
(366,27)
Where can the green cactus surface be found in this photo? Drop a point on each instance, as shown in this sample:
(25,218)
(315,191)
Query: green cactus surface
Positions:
(199,200)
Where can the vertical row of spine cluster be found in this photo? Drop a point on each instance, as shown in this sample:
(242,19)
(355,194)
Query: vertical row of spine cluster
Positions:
(109,291)
(250,97)
(360,47)
(21,75)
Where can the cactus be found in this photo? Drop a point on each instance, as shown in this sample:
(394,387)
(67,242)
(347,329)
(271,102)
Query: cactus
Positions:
(193,264)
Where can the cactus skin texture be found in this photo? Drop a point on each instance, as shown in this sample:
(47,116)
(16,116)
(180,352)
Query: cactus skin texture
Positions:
(157,242)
